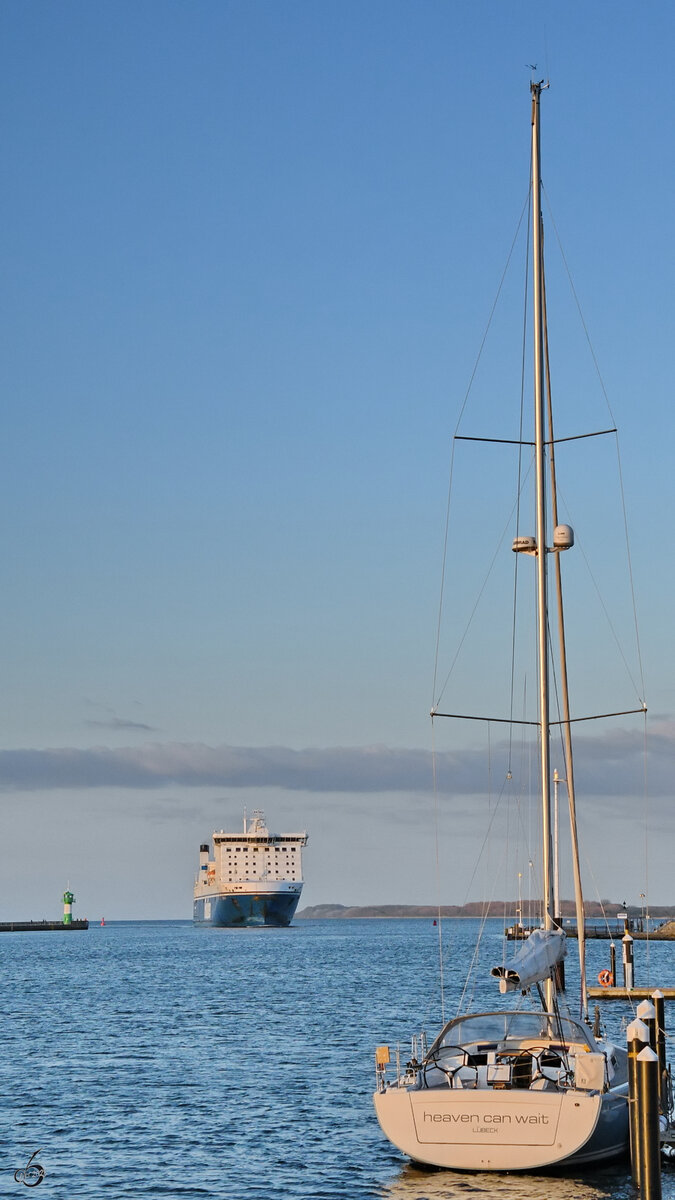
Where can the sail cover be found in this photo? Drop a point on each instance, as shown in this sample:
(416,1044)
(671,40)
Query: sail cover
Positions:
(535,960)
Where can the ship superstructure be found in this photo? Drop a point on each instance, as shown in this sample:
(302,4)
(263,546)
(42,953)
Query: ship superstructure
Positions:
(253,878)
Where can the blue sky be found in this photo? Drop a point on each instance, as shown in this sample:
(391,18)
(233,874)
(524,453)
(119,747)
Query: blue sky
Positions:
(248,254)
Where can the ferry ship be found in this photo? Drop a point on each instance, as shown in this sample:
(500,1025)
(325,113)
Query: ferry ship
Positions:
(254,877)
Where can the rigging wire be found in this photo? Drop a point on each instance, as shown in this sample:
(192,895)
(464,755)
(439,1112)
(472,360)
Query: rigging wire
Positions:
(609,409)
(640,691)
(489,775)
(500,542)
(459,420)
(488,904)
(471,972)
(438,867)
(646,829)
(630,565)
(520,458)
(639,688)
(525,819)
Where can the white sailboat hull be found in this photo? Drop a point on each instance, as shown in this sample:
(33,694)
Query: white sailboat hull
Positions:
(489,1130)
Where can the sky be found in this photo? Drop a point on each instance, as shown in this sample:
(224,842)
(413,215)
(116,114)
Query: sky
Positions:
(249,251)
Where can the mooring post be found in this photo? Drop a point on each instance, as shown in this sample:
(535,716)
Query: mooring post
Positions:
(649,1136)
(637,1036)
(627,952)
(660,1008)
(612,962)
(646,1012)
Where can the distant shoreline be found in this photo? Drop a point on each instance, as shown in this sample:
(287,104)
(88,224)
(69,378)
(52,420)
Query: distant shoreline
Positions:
(525,911)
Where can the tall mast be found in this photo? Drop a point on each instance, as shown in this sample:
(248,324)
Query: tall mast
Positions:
(565,695)
(540,484)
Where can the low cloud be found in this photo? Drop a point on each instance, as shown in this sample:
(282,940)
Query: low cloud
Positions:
(119,723)
(361,769)
(607,765)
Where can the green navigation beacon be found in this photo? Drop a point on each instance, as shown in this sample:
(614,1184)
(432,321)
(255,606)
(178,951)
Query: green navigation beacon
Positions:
(68,900)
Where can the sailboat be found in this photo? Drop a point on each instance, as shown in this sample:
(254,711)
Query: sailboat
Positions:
(521,1089)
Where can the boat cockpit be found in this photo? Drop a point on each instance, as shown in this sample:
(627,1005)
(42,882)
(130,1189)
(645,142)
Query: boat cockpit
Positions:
(533,1050)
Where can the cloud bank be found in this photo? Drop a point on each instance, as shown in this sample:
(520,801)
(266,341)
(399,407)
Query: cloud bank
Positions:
(611,764)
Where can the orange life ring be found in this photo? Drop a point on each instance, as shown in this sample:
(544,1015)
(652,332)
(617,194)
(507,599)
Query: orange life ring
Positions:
(605,979)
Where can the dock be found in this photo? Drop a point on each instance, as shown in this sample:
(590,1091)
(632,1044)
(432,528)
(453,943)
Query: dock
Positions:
(635,993)
(610,931)
(39,926)
(660,933)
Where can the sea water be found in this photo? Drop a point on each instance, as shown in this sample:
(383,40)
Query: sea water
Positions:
(161,1060)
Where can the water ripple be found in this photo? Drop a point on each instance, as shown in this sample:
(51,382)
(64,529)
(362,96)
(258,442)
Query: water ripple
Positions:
(154,1060)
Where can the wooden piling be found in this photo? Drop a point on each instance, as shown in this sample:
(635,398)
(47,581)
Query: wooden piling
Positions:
(649,1132)
(658,1000)
(637,1036)
(627,958)
(646,1012)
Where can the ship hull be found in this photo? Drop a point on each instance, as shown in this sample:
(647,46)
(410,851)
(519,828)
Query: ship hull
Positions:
(228,909)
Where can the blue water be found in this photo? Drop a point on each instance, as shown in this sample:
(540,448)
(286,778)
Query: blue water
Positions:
(161,1060)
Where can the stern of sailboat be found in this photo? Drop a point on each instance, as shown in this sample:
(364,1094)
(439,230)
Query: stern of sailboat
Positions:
(466,1129)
